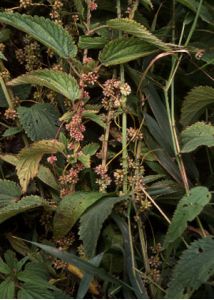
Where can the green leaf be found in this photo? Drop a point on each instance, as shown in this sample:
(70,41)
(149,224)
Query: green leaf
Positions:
(79,7)
(187,210)
(29,158)
(204,12)
(57,81)
(7,289)
(94,218)
(11,131)
(34,291)
(4,35)
(70,210)
(90,149)
(94,117)
(39,121)
(199,97)
(123,50)
(85,160)
(46,176)
(194,268)
(43,30)
(2,56)
(89,42)
(25,204)
(138,30)
(196,135)
(147,3)
(10,192)
(4,268)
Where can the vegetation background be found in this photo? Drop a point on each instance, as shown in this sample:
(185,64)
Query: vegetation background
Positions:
(106,161)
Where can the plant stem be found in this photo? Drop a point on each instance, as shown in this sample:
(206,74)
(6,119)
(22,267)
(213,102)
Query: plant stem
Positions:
(6,93)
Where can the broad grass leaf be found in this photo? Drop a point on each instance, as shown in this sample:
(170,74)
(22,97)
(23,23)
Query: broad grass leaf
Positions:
(38,117)
(57,81)
(25,204)
(189,207)
(11,131)
(81,264)
(196,135)
(200,98)
(7,289)
(10,192)
(138,30)
(43,30)
(94,218)
(70,210)
(123,50)
(205,14)
(29,158)
(194,268)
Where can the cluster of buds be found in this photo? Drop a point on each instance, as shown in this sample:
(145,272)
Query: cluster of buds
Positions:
(89,78)
(92,5)
(76,128)
(52,159)
(30,55)
(72,176)
(55,13)
(154,261)
(119,176)
(59,264)
(25,3)
(5,74)
(113,89)
(10,114)
(87,60)
(134,134)
(104,181)
(65,242)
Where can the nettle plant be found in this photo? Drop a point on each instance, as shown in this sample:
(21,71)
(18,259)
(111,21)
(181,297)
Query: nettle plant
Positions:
(98,148)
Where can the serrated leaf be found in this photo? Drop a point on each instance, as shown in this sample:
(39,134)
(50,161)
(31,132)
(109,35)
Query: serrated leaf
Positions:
(71,208)
(85,160)
(199,97)
(11,131)
(90,149)
(196,135)
(10,192)
(89,42)
(138,30)
(194,268)
(25,204)
(4,268)
(46,176)
(43,30)
(94,219)
(187,210)
(57,81)
(38,117)
(21,91)
(93,117)
(123,50)
(7,289)
(29,159)
(79,7)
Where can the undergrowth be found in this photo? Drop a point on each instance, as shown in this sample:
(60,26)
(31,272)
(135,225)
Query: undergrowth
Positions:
(106,161)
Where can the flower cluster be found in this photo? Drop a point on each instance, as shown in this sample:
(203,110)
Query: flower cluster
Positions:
(134,134)
(10,114)
(76,128)
(55,13)
(25,3)
(72,176)
(52,159)
(104,181)
(92,5)
(89,78)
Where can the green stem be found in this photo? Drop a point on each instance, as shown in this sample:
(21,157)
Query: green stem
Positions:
(6,93)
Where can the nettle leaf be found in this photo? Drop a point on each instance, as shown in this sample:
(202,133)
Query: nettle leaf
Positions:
(43,30)
(123,50)
(85,160)
(94,117)
(25,204)
(94,218)
(89,42)
(29,158)
(7,289)
(39,121)
(90,149)
(57,81)
(46,176)
(9,192)
(194,268)
(187,210)
(196,135)
(138,30)
(199,97)
(70,210)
